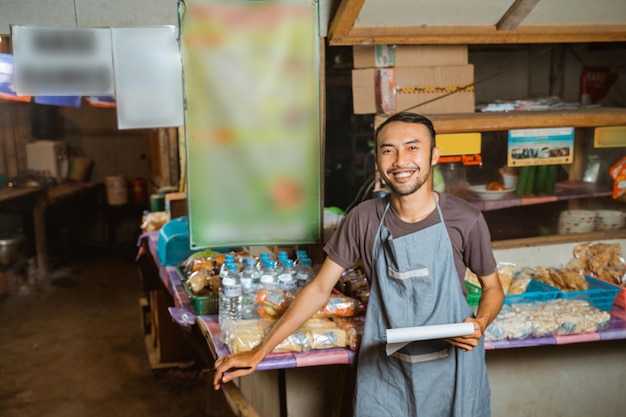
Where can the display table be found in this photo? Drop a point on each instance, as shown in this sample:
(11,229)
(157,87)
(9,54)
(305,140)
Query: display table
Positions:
(306,384)
(582,374)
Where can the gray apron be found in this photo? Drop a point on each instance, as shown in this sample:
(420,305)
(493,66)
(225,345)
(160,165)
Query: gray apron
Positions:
(415,283)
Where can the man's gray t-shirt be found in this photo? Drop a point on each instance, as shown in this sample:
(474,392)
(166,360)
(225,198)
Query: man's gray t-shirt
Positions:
(466,226)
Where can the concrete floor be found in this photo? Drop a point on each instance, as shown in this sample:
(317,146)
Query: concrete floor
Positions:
(77,349)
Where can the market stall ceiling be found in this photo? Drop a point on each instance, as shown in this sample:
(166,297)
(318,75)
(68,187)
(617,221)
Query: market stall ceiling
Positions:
(477,21)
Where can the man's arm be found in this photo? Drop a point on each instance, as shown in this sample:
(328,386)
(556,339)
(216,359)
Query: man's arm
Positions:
(488,308)
(312,297)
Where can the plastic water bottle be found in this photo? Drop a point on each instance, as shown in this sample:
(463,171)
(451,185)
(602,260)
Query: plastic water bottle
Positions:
(228,259)
(269,276)
(300,254)
(230,298)
(264,257)
(305,272)
(250,280)
(280,260)
(287,280)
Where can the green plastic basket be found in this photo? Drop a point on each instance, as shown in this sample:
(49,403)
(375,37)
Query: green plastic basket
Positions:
(203,305)
(536,291)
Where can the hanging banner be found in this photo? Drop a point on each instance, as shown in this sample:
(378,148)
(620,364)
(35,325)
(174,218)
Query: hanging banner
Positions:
(7,85)
(252,122)
(148,77)
(544,146)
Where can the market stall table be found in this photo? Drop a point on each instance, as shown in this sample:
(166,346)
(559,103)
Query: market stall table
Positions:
(299,384)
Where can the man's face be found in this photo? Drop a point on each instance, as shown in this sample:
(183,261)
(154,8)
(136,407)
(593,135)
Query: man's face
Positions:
(404,156)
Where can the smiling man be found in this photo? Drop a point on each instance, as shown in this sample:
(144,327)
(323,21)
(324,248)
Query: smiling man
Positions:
(415,245)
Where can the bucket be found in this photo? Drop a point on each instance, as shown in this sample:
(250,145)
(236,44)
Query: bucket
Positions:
(157,202)
(117,190)
(138,191)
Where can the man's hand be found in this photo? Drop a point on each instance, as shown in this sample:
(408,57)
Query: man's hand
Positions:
(467,343)
(230,367)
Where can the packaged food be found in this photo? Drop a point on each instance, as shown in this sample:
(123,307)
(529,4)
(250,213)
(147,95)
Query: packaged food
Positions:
(353,326)
(340,306)
(505,273)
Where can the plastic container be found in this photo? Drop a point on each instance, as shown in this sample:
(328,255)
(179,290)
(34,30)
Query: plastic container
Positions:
(577,221)
(117,190)
(173,244)
(620,298)
(600,294)
(609,219)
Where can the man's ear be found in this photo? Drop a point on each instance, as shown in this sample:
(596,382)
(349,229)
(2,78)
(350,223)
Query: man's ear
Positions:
(435,156)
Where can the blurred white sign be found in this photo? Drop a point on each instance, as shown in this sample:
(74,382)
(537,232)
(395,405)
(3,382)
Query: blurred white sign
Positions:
(61,61)
(148,77)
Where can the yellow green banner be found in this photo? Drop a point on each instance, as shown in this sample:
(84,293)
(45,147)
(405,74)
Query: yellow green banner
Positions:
(252,121)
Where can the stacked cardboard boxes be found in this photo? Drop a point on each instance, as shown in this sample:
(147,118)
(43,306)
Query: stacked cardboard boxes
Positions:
(428,79)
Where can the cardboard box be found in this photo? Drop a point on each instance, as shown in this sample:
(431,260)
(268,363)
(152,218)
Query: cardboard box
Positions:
(176,204)
(384,56)
(390,90)
(364,91)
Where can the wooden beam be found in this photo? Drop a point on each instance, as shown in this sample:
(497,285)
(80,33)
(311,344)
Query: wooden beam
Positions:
(516,13)
(558,239)
(497,121)
(343,21)
(416,35)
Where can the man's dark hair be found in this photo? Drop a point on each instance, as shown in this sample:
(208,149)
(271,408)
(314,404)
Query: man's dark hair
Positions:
(408,117)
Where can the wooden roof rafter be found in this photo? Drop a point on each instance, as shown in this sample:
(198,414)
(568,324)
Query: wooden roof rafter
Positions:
(344,30)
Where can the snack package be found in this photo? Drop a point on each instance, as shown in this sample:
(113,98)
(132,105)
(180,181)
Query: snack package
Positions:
(508,325)
(353,326)
(244,335)
(271,303)
(323,333)
(556,317)
(618,173)
(601,260)
(505,273)
(340,306)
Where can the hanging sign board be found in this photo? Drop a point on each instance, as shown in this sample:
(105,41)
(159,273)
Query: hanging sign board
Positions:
(148,77)
(62,61)
(252,122)
(549,146)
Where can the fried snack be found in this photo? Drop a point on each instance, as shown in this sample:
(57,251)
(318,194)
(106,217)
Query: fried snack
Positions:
(519,285)
(505,273)
(572,280)
(198,280)
(613,274)
(580,251)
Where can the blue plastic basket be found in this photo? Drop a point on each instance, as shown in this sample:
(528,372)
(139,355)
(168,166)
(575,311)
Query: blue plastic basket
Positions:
(600,294)
(173,244)
(536,291)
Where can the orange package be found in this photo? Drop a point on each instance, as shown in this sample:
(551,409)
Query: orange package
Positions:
(618,173)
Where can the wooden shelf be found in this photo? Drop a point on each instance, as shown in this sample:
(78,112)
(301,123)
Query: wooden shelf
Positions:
(566,190)
(495,121)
